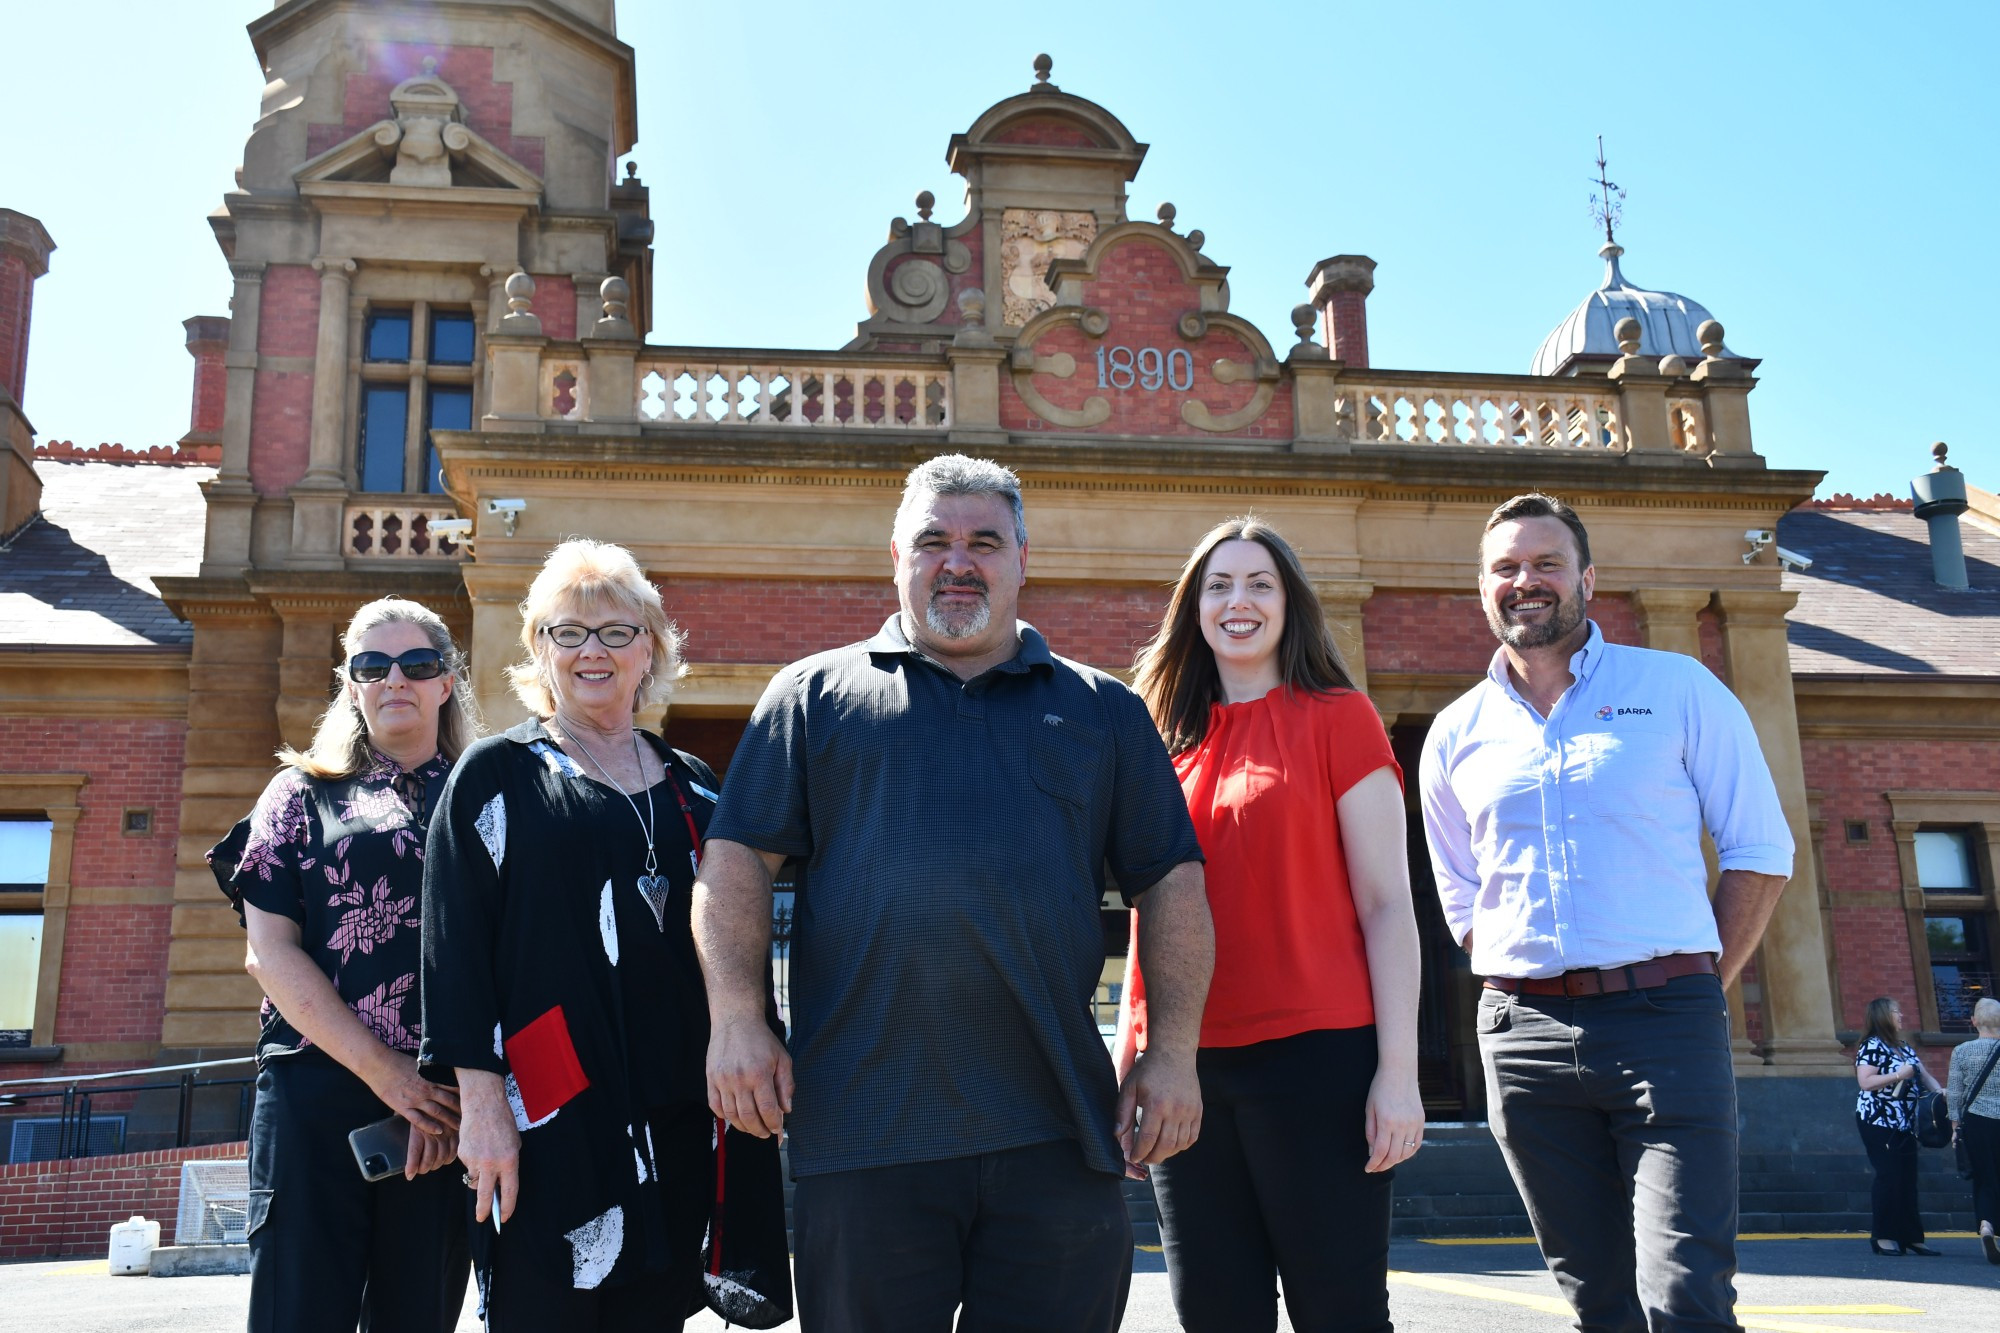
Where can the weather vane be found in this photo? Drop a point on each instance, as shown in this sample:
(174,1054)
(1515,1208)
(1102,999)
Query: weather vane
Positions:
(1607,206)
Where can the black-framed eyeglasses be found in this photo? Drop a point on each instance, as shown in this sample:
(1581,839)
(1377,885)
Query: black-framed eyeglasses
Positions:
(417,664)
(575,636)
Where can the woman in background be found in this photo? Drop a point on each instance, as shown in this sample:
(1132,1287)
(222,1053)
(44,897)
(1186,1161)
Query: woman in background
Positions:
(1888,1069)
(1975,1111)
(327,873)
(1308,1055)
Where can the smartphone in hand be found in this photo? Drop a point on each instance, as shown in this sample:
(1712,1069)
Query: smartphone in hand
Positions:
(382,1149)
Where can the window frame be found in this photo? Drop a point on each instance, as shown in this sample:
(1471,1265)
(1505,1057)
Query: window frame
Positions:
(1977,815)
(51,796)
(416,376)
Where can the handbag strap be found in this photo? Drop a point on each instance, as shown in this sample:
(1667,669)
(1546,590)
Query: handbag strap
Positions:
(1980,1082)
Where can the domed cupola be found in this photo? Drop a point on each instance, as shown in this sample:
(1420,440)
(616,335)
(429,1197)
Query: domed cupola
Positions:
(1584,343)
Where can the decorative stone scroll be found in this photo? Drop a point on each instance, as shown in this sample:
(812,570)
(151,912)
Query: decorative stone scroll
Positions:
(1030,240)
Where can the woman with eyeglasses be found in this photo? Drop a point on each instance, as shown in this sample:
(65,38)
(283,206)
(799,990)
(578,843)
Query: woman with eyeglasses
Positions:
(327,874)
(560,982)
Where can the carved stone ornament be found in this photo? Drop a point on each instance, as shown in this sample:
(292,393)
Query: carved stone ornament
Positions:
(916,290)
(1030,240)
(426,130)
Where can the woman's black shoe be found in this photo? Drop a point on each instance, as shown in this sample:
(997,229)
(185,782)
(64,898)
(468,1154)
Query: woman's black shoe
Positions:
(1888,1249)
(1924,1250)
(1989,1242)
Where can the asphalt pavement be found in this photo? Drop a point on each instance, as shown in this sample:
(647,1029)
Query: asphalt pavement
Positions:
(1792,1284)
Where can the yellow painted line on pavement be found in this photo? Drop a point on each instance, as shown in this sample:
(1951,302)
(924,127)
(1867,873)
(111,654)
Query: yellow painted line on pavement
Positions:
(1150,1249)
(1748,1235)
(1827,1309)
(96,1268)
(1556,1306)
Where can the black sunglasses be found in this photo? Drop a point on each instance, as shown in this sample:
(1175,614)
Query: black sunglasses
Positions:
(417,664)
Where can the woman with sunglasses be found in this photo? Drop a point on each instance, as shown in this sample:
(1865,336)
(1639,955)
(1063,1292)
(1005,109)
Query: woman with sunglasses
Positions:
(327,874)
(1308,1053)
(560,982)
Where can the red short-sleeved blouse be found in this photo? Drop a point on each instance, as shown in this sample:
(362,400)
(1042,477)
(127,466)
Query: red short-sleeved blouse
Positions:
(1261,788)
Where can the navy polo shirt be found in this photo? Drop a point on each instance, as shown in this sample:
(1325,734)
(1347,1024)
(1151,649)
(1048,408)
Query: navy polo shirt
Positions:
(945,938)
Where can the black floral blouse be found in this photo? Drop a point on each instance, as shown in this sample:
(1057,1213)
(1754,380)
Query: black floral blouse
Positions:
(1890,1106)
(345,859)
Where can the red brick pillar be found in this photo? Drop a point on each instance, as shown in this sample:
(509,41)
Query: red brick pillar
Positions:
(207,340)
(1340,288)
(24,256)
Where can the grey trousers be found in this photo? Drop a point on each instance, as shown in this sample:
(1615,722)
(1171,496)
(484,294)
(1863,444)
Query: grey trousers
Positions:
(1617,1116)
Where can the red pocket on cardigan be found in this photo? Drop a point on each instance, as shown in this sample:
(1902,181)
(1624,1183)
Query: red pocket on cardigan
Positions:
(544,1064)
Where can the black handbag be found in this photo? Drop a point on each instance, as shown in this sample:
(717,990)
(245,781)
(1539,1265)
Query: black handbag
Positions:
(1971,1096)
(1933,1119)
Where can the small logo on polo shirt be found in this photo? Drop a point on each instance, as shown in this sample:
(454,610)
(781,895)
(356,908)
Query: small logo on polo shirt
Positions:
(1606,713)
(1052,719)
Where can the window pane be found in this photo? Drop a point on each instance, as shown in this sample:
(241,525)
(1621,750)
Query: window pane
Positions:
(385,415)
(1946,935)
(388,335)
(451,340)
(24,853)
(1944,861)
(20,969)
(451,409)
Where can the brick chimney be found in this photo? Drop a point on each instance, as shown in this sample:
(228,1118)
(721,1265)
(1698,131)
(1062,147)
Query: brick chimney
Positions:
(1340,288)
(207,340)
(24,256)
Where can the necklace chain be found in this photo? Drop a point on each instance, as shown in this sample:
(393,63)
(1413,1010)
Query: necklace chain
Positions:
(646,824)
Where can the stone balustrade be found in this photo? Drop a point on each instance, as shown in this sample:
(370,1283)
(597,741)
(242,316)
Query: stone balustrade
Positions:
(386,528)
(793,391)
(1500,412)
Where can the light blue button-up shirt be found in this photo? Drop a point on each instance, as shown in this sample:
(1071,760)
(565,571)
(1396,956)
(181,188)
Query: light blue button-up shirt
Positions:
(1575,841)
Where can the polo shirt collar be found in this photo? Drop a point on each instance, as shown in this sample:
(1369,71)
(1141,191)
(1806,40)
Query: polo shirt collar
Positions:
(1034,651)
(1582,663)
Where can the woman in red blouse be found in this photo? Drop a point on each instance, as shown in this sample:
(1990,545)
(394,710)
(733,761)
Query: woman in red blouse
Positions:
(1308,1057)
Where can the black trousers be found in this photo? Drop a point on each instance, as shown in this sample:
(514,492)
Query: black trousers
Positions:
(1893,1154)
(1275,1190)
(327,1248)
(1982,1144)
(1029,1240)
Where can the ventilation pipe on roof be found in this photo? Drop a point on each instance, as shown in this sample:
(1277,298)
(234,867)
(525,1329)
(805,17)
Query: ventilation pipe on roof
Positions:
(1940,497)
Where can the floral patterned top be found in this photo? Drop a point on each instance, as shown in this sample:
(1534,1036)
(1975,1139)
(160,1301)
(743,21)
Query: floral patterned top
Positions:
(1892,1105)
(345,859)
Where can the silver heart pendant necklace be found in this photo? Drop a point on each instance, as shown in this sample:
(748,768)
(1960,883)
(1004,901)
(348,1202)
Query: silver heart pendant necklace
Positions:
(652,884)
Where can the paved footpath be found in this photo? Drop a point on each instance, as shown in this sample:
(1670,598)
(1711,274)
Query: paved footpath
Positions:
(1814,1284)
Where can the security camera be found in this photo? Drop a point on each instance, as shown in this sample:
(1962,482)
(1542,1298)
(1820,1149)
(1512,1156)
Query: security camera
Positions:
(458,529)
(1793,562)
(516,506)
(1758,537)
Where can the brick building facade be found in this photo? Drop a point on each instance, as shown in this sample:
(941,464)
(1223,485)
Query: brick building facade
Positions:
(440,302)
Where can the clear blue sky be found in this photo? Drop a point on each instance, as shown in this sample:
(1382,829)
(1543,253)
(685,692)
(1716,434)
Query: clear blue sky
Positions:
(1821,176)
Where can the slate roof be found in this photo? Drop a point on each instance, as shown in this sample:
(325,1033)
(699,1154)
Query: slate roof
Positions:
(1869,605)
(81,576)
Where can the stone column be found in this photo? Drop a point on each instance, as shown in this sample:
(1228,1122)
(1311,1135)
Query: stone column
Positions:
(975,360)
(514,362)
(613,346)
(231,499)
(1342,599)
(495,643)
(1799,1021)
(305,670)
(1725,384)
(1667,618)
(320,496)
(1642,396)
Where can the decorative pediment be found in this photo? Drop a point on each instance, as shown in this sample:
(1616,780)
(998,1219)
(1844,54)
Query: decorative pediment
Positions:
(426,144)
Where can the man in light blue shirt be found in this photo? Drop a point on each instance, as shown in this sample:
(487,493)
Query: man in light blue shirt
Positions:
(1564,799)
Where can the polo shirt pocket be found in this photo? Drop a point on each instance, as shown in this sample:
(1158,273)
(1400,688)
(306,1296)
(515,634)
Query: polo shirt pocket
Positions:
(1065,758)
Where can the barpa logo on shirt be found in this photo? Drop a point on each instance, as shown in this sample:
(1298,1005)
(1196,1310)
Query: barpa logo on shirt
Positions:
(1606,713)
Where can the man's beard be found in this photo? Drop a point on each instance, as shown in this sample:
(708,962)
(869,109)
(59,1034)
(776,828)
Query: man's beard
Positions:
(961,624)
(1561,622)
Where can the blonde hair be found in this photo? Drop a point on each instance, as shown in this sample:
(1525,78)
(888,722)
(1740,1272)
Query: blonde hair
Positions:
(582,572)
(340,747)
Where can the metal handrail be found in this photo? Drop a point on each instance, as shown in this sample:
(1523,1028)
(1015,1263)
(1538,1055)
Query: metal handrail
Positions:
(78,1090)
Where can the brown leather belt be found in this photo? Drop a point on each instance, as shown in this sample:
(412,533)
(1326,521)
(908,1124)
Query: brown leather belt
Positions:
(1611,980)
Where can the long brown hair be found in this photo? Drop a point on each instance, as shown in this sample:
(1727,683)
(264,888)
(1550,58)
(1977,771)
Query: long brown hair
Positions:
(1175,674)
(1879,1023)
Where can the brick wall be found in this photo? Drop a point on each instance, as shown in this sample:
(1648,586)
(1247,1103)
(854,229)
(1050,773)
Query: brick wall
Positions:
(486,105)
(114,964)
(1871,932)
(17,299)
(1046,132)
(281,413)
(1445,632)
(50,1209)
(555,304)
(1140,286)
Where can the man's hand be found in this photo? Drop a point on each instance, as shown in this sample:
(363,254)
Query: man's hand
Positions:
(749,1077)
(1159,1109)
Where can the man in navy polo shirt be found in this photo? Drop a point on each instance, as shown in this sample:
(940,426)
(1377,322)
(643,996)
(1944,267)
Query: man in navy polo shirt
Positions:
(956,793)
(1564,798)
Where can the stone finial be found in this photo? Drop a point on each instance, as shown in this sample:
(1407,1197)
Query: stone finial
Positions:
(631,173)
(1196,239)
(925,202)
(1938,452)
(520,293)
(1673,367)
(1709,335)
(1166,213)
(1042,67)
(430,67)
(972,305)
(1627,334)
(1304,317)
(616,294)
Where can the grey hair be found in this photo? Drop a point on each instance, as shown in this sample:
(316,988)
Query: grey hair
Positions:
(956,474)
(1986,1013)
